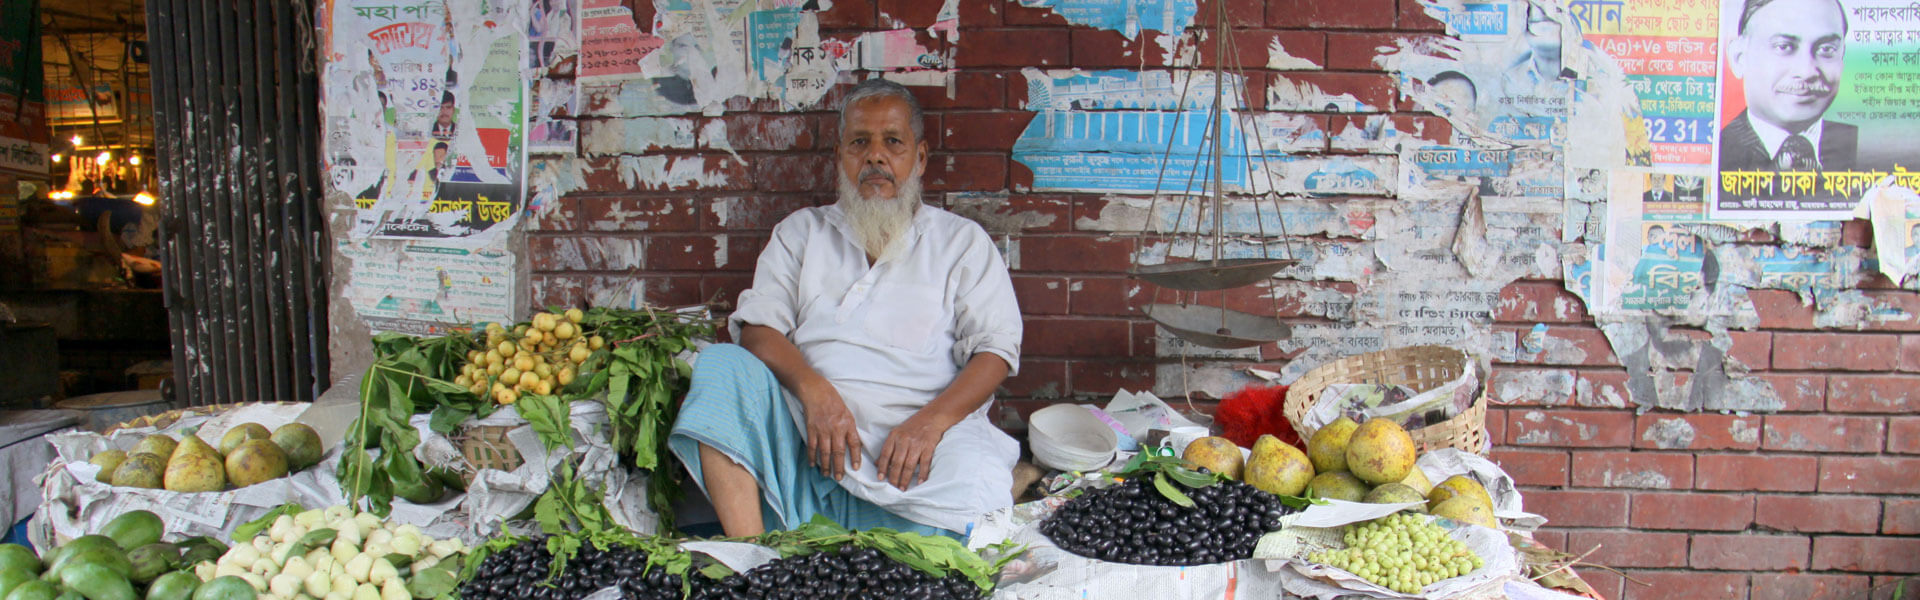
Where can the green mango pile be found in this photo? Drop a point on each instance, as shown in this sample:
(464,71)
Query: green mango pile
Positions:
(124,561)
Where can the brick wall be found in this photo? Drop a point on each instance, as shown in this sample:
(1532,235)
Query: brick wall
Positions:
(1817,500)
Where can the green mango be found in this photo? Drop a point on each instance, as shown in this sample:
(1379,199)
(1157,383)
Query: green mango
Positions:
(34,590)
(97,582)
(69,595)
(15,556)
(201,549)
(110,557)
(151,560)
(134,529)
(13,578)
(178,585)
(226,588)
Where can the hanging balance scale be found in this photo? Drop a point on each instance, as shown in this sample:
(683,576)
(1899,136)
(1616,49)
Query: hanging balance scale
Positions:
(1186,317)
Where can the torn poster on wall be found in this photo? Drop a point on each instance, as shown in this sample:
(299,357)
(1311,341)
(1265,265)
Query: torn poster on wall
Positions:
(1132,132)
(696,54)
(552,54)
(427,288)
(425,118)
(1808,127)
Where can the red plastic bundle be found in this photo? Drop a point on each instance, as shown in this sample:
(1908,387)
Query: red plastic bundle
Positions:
(1255,410)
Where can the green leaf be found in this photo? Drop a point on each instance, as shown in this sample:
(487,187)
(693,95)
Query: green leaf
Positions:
(550,419)
(716,570)
(1167,489)
(447,418)
(313,539)
(251,529)
(439,580)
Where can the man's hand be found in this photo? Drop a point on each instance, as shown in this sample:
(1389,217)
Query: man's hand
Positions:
(833,439)
(907,457)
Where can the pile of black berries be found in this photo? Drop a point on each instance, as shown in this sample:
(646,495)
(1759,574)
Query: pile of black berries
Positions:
(518,573)
(1132,522)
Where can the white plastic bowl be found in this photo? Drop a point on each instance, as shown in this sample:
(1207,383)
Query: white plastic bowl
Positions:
(1068,438)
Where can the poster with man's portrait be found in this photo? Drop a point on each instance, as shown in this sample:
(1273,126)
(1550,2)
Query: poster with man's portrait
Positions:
(1815,105)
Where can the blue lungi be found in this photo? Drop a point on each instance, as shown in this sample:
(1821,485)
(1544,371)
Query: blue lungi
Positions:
(736,406)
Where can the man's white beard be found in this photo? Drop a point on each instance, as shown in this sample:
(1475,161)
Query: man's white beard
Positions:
(880,224)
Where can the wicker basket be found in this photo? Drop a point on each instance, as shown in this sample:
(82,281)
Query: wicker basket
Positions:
(1419,367)
(487,447)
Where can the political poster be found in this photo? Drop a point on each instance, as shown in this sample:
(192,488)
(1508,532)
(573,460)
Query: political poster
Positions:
(425,108)
(1819,101)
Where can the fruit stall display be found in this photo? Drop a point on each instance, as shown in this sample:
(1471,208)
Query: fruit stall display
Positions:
(626,360)
(248,454)
(123,561)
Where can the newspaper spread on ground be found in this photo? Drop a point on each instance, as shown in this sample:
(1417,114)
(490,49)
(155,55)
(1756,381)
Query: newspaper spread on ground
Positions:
(76,503)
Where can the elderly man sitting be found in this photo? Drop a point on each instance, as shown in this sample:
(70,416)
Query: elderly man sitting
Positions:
(875,332)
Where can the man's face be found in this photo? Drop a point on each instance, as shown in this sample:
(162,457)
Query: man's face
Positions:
(446,112)
(878,149)
(1790,59)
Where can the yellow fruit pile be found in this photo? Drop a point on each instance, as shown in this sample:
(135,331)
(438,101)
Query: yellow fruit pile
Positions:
(536,357)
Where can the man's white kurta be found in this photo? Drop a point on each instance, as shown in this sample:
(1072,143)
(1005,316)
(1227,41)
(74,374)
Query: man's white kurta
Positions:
(891,337)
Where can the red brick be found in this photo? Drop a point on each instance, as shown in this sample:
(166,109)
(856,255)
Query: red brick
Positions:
(1037,379)
(563,214)
(1497,424)
(749,213)
(1002,214)
(1590,346)
(1605,583)
(682,252)
(1371,89)
(724,287)
(1602,389)
(1873,393)
(1310,46)
(1901,516)
(1668,431)
(1687,585)
(1414,17)
(1867,554)
(907,13)
(1799,392)
(1146,341)
(1710,512)
(852,14)
(971,89)
(1359,51)
(1629,548)
(1808,586)
(1240,13)
(1015,14)
(1824,433)
(1650,470)
(1869,475)
(1902,303)
(967,171)
(1885,586)
(1108,296)
(758,131)
(1910,353)
(1527,387)
(555,253)
(1532,302)
(1836,351)
(1563,428)
(811,172)
(1041,295)
(639,213)
(982,130)
(1749,552)
(1533,467)
(1578,508)
(1075,337)
(716,172)
(1781,309)
(1903,435)
(1106,48)
(1746,472)
(1075,254)
(1309,14)
(1013,48)
(1818,514)
(1108,378)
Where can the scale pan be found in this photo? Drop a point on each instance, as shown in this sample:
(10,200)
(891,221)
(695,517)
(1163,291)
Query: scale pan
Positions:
(1209,276)
(1201,325)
